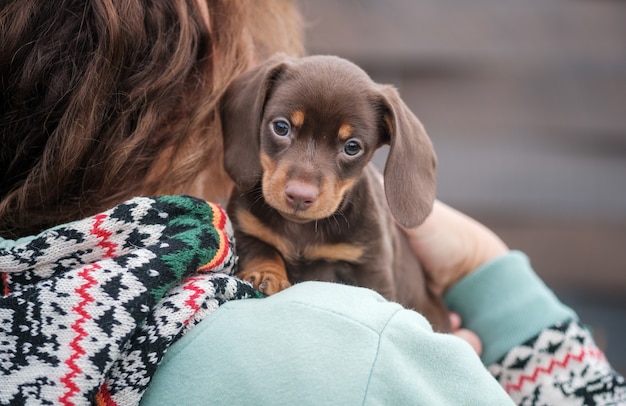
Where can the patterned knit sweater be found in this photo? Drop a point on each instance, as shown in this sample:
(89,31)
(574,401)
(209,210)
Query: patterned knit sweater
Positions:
(88,309)
(560,366)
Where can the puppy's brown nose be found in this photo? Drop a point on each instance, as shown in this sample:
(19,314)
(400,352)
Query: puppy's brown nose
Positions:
(300,196)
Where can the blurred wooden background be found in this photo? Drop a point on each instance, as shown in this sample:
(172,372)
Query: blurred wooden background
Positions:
(525,102)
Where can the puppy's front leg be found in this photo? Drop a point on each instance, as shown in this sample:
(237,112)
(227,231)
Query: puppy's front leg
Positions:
(261,265)
(267,275)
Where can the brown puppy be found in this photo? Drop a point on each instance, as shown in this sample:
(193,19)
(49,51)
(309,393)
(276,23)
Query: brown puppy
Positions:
(298,136)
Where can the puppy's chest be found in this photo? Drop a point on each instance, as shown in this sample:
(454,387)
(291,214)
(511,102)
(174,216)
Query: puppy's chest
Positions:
(309,251)
(352,260)
(309,256)
(305,243)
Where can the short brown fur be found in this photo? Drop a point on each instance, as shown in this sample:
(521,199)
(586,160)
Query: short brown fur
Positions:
(306,188)
(271,272)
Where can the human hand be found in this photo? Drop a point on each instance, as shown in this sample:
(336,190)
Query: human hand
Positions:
(450,245)
(467,335)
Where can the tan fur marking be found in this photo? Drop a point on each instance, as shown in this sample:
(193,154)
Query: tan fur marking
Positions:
(275,264)
(345,132)
(331,191)
(274,178)
(267,163)
(297,118)
(335,252)
(268,275)
(252,226)
(342,186)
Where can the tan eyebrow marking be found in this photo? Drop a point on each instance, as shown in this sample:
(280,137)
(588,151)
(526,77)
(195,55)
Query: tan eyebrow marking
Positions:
(345,132)
(297,118)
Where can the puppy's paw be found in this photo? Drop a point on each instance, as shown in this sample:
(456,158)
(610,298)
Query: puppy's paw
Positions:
(266,281)
(267,275)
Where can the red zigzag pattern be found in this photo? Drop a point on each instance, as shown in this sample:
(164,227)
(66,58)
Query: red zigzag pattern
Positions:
(82,291)
(197,292)
(584,352)
(67,380)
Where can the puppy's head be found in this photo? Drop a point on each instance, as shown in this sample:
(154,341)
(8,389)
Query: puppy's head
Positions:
(307,127)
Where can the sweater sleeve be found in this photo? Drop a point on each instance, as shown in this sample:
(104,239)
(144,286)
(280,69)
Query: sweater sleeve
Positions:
(320,343)
(533,344)
(505,303)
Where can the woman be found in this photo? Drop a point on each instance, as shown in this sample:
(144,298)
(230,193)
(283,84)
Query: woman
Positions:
(104,101)
(124,95)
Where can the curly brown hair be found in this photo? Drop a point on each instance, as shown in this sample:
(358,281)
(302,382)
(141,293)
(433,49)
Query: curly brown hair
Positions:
(106,99)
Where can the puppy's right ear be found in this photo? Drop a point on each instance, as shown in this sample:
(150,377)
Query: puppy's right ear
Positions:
(241,112)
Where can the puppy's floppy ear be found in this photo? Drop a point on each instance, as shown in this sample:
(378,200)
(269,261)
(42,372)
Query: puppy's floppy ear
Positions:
(410,171)
(241,112)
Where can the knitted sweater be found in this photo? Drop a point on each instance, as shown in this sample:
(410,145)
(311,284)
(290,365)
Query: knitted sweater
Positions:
(533,344)
(88,309)
(323,343)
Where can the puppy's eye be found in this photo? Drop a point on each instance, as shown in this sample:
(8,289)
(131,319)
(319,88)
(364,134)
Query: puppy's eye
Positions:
(352,148)
(281,127)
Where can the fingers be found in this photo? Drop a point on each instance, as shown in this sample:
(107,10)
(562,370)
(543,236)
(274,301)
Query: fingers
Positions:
(467,335)
(450,245)
(471,338)
(455,321)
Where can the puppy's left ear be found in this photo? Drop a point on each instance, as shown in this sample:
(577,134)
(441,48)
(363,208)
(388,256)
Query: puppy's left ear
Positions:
(410,171)
(241,112)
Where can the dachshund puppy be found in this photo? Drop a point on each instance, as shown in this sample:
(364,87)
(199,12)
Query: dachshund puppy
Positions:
(299,135)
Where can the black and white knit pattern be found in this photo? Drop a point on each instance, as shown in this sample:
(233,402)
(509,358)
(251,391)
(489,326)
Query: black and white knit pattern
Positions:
(88,309)
(561,366)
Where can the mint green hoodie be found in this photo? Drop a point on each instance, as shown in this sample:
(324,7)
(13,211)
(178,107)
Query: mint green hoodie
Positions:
(86,316)
(320,343)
